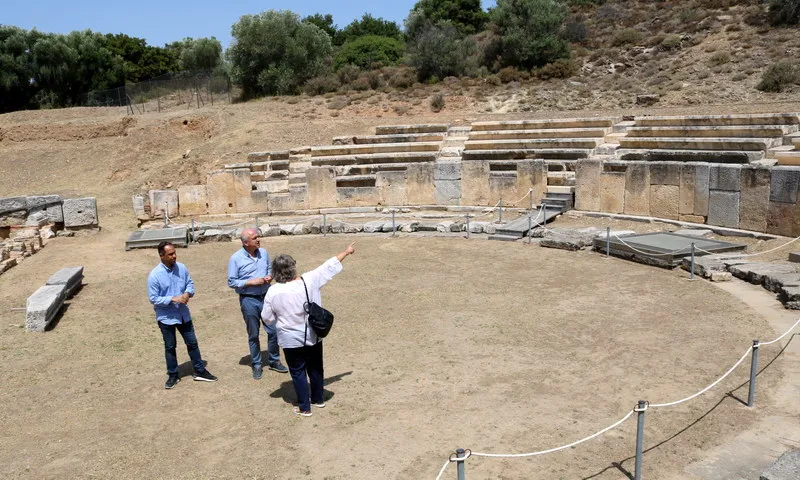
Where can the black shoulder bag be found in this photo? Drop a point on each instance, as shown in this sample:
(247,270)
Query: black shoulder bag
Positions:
(320,319)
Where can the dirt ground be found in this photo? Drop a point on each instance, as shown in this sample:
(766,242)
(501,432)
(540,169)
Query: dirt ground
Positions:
(439,343)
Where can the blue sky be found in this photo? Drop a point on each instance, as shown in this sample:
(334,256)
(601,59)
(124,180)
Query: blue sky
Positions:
(161,22)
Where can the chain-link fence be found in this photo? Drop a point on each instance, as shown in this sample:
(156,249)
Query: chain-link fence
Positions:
(172,91)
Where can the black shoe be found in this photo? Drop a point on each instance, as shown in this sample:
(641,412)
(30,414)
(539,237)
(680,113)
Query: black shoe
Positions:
(204,376)
(172,380)
(257,372)
(278,367)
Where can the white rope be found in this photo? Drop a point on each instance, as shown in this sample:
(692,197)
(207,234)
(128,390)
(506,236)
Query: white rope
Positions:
(771,249)
(444,467)
(708,387)
(673,252)
(530,192)
(784,334)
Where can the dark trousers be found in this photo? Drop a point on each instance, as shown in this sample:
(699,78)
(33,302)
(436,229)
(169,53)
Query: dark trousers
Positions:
(251,311)
(170,342)
(304,361)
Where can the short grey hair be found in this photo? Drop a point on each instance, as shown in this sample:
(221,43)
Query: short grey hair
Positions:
(243,235)
(284,268)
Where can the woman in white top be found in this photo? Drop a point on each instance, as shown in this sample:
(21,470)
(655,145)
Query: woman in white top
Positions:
(284,305)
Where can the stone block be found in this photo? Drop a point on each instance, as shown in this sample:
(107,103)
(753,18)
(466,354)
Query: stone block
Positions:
(53,212)
(587,184)
(138,207)
(392,186)
(721,277)
(701,189)
(242,189)
(754,198)
(532,175)
(780,218)
(69,277)
(664,201)
(376,226)
(569,239)
(220,192)
(723,209)
(163,200)
(80,212)
(794,257)
(447,171)
(474,182)
(43,306)
(637,189)
(193,200)
(686,201)
(269,230)
(503,187)
(13,204)
(612,192)
(420,189)
(665,173)
(784,183)
(321,187)
(725,177)
(38,201)
(787,467)
(448,192)
(357,196)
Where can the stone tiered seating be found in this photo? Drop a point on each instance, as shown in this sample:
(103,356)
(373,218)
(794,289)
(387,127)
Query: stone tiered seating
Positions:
(717,139)
(790,157)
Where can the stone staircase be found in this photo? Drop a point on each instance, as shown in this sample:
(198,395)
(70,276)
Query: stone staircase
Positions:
(790,156)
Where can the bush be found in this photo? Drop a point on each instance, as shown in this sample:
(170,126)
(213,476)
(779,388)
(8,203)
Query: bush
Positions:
(561,68)
(719,58)
(575,31)
(777,76)
(784,12)
(508,74)
(437,102)
(626,36)
(322,84)
(402,78)
(348,73)
(359,84)
(671,42)
(528,29)
(366,52)
(437,51)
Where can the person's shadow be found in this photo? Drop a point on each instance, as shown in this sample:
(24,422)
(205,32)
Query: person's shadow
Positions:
(286,390)
(185,369)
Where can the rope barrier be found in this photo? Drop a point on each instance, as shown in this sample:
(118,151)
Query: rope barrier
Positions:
(673,252)
(530,192)
(771,249)
(784,334)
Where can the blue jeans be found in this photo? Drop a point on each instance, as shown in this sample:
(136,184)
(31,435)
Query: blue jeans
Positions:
(170,342)
(251,311)
(302,361)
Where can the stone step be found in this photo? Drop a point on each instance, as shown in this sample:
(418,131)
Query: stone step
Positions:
(622,127)
(677,155)
(505,237)
(450,152)
(709,120)
(788,158)
(723,131)
(369,158)
(273,175)
(796,142)
(406,129)
(371,169)
(264,156)
(539,133)
(528,154)
(539,124)
(455,140)
(561,178)
(397,138)
(272,186)
(459,131)
(43,306)
(336,150)
(296,178)
(356,181)
(699,143)
(566,189)
(772,152)
(613,138)
(532,144)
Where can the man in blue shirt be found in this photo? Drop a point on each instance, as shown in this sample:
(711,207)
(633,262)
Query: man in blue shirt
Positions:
(249,274)
(170,287)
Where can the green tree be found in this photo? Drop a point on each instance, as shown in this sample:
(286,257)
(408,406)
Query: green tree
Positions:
(142,61)
(529,31)
(324,22)
(201,54)
(368,25)
(274,53)
(466,15)
(16,69)
(438,51)
(784,12)
(370,50)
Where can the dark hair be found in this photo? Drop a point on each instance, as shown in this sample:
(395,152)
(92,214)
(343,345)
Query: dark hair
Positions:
(162,246)
(284,268)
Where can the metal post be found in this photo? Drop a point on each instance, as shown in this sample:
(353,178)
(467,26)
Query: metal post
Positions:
(166,214)
(394,229)
(324,227)
(751,395)
(158,100)
(608,241)
(640,409)
(530,228)
(467,225)
(530,199)
(460,464)
(691,272)
(500,218)
(210,94)
(193,237)
(119,97)
(257,230)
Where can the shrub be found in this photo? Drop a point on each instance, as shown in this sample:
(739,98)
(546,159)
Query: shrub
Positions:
(374,78)
(402,78)
(626,36)
(719,58)
(671,42)
(322,84)
(438,51)
(360,84)
(338,103)
(348,73)
(777,76)
(561,68)
(528,29)
(367,51)
(437,102)
(508,74)
(400,109)
(784,12)
(575,31)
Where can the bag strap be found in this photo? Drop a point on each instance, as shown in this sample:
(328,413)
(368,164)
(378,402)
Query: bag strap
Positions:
(307,308)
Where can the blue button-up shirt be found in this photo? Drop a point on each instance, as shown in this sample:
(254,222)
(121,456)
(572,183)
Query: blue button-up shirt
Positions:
(162,285)
(242,267)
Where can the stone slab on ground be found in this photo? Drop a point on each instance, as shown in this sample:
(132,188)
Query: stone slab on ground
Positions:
(786,467)
(43,306)
(794,257)
(756,272)
(217,235)
(80,212)
(691,232)
(13,204)
(775,282)
(570,239)
(705,266)
(70,277)
(375,226)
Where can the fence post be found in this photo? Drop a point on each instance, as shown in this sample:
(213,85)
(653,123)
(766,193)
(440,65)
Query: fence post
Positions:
(530,228)
(751,394)
(467,225)
(500,218)
(608,241)
(640,408)
(394,227)
(166,214)
(324,227)
(460,464)
(158,100)
(193,237)
(210,93)
(691,271)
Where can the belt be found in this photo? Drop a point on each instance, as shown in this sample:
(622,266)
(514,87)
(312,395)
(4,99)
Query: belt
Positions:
(250,295)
